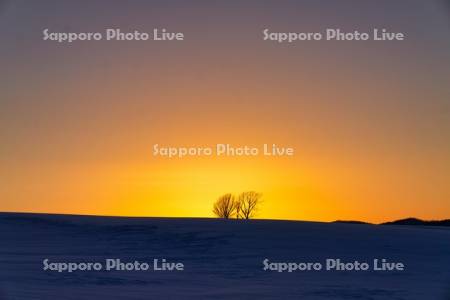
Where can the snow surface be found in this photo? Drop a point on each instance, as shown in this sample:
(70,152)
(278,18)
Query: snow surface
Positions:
(223,259)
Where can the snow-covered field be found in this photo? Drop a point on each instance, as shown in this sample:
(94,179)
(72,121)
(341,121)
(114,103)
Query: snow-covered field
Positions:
(222,259)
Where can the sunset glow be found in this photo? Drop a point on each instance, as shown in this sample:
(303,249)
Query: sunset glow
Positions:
(369,122)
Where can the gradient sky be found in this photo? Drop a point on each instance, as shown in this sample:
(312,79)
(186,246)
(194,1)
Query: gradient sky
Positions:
(370,121)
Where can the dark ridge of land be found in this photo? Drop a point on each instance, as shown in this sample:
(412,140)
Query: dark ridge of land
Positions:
(407,222)
(418,222)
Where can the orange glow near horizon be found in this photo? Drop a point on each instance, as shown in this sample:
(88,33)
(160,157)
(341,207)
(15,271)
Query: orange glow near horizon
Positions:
(187,187)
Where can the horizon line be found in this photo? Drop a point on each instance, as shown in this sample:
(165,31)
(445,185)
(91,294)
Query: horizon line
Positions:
(212,218)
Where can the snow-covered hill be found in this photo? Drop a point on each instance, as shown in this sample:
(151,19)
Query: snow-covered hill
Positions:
(221,259)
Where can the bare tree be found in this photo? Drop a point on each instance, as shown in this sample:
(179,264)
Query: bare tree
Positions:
(225,206)
(248,204)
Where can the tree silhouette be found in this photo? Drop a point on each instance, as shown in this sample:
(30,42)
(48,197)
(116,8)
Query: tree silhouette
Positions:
(244,207)
(225,206)
(248,204)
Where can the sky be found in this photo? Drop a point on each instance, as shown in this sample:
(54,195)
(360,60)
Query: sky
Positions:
(369,121)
